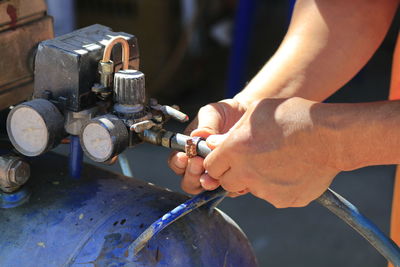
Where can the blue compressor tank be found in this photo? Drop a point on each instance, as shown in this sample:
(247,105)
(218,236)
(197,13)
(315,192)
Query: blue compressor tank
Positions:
(91,222)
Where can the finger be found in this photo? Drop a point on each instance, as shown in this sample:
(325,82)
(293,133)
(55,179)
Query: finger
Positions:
(208,183)
(191,180)
(178,162)
(238,194)
(215,140)
(279,196)
(216,163)
(231,183)
(209,121)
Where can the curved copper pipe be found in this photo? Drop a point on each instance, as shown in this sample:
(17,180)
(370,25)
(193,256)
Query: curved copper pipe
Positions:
(125,51)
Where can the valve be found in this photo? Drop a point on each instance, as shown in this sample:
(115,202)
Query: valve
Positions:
(106,136)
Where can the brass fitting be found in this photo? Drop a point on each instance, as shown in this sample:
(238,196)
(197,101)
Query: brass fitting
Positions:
(14,172)
(106,70)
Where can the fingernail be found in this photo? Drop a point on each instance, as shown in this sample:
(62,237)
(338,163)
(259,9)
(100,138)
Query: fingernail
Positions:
(202,179)
(181,162)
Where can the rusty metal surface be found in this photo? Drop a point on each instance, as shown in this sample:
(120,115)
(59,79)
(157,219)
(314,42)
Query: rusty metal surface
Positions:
(14,172)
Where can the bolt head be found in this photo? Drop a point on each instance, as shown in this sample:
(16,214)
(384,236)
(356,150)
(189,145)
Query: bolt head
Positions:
(19,172)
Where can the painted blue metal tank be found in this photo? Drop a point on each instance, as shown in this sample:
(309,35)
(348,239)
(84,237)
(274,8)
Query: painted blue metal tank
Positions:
(91,221)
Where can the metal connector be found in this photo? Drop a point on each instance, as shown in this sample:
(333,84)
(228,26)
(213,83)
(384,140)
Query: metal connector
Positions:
(14,172)
(106,71)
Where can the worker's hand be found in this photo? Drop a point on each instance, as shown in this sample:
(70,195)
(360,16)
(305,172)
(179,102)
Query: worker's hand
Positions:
(215,118)
(278,151)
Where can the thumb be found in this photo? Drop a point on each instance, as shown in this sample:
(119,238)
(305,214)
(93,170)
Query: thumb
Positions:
(215,140)
(209,121)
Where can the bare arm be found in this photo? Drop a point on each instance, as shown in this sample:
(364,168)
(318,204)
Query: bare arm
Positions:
(288,151)
(327,43)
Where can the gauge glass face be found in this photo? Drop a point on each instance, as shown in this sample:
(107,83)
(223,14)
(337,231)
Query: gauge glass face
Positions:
(29,131)
(97,141)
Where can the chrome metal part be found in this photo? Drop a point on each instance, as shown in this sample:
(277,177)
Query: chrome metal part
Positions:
(153,136)
(106,71)
(74,121)
(166,139)
(172,112)
(14,172)
(142,126)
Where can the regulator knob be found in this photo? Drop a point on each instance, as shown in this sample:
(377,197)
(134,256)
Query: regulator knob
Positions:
(34,127)
(104,137)
(129,88)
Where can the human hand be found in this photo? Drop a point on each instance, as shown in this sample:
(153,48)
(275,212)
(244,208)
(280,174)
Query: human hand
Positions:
(215,118)
(278,151)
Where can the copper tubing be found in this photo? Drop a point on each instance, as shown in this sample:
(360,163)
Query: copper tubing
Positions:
(125,51)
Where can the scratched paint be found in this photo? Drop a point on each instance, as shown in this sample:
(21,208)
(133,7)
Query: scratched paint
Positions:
(12,13)
(91,222)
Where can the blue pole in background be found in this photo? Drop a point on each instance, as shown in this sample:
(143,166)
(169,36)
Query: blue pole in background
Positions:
(75,157)
(244,19)
(124,164)
(63,13)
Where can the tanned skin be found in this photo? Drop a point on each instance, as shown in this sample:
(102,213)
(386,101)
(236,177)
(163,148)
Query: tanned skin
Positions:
(275,139)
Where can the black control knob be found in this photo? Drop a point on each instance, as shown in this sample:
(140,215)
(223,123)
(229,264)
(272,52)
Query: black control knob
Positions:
(129,88)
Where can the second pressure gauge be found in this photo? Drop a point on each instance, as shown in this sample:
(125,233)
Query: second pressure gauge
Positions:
(104,137)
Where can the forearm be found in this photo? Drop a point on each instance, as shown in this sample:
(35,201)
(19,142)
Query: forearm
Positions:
(328,42)
(360,135)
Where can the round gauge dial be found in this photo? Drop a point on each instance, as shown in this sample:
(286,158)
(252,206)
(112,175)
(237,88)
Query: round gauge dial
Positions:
(104,137)
(34,127)
(97,141)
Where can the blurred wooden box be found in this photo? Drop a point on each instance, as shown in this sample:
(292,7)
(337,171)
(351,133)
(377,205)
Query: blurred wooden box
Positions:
(23,24)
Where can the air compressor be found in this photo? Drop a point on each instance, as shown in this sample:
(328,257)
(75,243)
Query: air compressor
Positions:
(52,215)
(88,88)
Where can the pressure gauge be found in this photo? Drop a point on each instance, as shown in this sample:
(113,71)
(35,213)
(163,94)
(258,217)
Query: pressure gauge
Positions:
(34,127)
(104,137)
